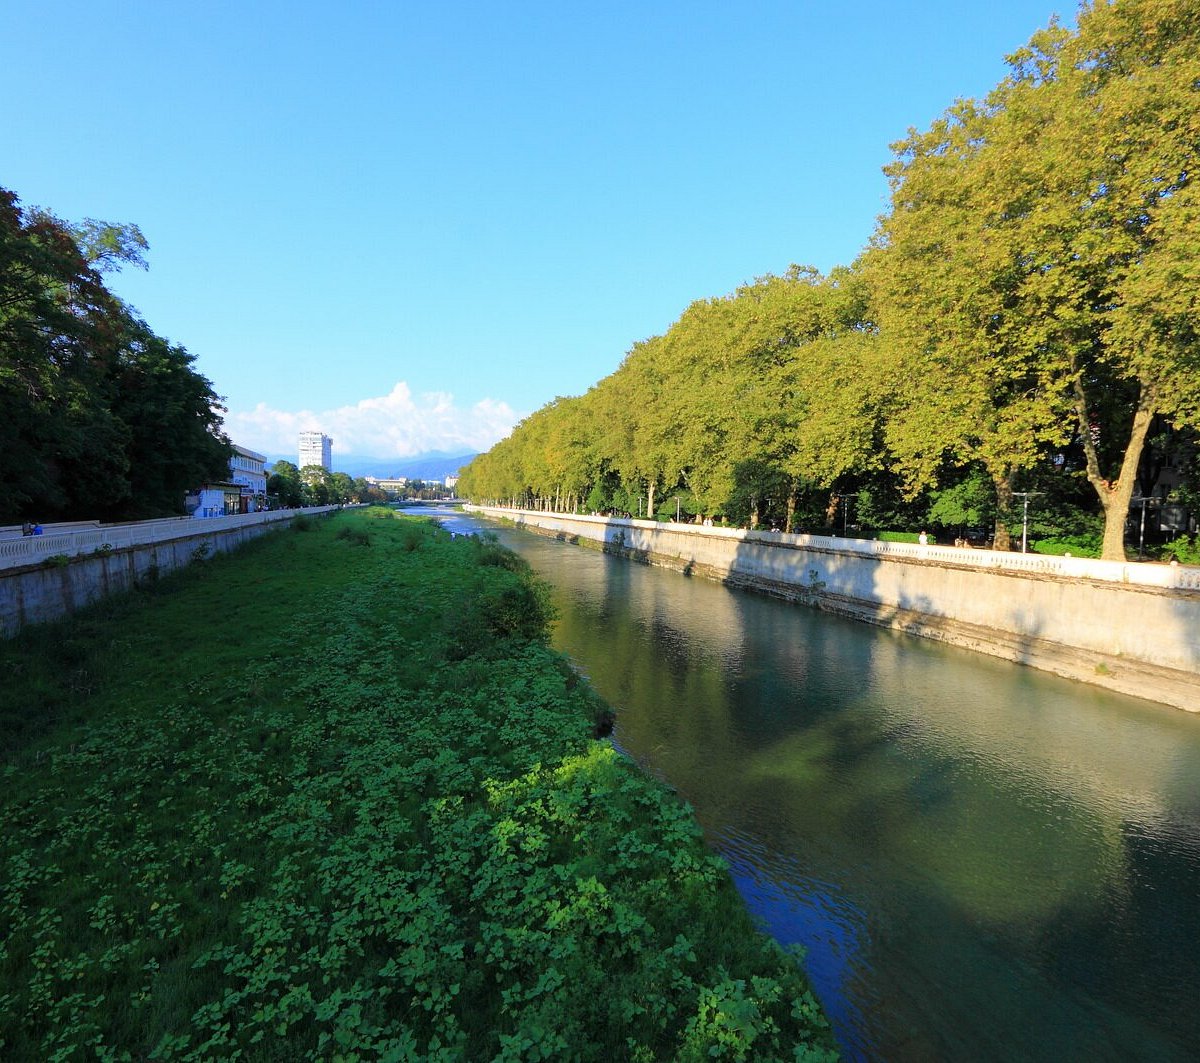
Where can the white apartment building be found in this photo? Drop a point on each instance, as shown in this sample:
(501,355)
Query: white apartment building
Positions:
(316,448)
(248,470)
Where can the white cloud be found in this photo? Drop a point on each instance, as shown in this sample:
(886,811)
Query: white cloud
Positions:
(393,425)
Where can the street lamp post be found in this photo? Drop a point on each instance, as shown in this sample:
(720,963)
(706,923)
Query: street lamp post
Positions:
(1025,496)
(1145,500)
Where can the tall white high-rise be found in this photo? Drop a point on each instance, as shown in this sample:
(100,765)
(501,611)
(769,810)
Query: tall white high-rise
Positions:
(316,448)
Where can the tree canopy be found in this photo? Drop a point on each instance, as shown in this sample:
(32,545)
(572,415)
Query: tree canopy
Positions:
(1037,275)
(99,417)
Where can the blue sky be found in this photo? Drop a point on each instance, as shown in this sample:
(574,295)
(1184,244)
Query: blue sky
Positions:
(408,224)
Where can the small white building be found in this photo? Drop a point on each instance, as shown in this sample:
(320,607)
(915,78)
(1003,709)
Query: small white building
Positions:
(214,500)
(245,491)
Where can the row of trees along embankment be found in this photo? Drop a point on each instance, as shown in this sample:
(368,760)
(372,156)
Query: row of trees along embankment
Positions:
(333,797)
(1025,319)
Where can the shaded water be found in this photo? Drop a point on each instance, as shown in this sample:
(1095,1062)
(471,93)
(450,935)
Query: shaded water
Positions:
(983,862)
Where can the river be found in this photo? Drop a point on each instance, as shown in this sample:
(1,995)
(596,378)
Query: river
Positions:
(982,861)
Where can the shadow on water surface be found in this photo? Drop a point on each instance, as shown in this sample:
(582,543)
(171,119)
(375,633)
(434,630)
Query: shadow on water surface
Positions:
(983,862)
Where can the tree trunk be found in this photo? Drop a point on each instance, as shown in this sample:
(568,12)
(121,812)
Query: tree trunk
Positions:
(753,512)
(791,508)
(650,500)
(831,510)
(1115,495)
(1001,537)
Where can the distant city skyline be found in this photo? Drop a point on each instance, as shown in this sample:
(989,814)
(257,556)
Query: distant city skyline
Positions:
(410,226)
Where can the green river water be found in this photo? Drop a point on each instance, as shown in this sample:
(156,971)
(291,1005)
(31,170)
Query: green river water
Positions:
(983,862)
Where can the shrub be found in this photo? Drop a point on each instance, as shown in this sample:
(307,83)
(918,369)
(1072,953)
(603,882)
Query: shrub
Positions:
(354,536)
(1075,545)
(1185,550)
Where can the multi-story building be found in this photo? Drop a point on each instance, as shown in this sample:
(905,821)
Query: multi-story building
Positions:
(316,448)
(245,491)
(248,470)
(393,485)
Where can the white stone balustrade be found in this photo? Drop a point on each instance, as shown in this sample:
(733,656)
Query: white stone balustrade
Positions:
(90,538)
(1138,573)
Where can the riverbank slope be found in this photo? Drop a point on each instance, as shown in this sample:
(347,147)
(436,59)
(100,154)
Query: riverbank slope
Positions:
(333,795)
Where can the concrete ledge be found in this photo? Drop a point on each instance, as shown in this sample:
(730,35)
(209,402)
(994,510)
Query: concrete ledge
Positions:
(32,594)
(1130,631)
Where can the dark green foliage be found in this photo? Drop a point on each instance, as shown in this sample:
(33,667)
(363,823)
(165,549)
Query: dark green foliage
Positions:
(1185,550)
(305,822)
(172,420)
(99,418)
(1075,545)
(970,503)
(284,485)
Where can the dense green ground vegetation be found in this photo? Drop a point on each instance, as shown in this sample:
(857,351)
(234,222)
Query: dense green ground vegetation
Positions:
(334,797)
(1023,321)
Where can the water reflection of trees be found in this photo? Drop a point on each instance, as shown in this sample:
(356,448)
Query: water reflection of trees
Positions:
(997,824)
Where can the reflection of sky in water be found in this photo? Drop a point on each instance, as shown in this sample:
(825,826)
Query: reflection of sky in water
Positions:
(799,910)
(983,862)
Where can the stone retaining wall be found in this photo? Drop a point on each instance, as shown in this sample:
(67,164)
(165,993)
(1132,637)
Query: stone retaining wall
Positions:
(52,589)
(1130,628)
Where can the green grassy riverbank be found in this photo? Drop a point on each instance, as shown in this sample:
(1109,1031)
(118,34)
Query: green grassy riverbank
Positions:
(333,797)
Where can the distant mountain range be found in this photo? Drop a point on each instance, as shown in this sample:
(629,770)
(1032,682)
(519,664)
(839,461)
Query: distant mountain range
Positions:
(436,465)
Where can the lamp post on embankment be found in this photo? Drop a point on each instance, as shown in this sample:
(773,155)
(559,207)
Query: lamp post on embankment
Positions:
(1025,496)
(1144,500)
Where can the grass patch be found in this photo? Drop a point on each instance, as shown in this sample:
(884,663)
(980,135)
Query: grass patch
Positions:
(316,802)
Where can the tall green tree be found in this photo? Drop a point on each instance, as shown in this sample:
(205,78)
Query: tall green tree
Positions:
(341,487)
(60,444)
(174,436)
(317,485)
(285,486)
(1038,271)
(99,417)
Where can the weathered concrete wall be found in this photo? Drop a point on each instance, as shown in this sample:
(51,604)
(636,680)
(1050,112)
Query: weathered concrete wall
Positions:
(47,591)
(1134,637)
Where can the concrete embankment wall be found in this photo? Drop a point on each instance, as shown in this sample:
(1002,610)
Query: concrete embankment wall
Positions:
(46,591)
(1131,628)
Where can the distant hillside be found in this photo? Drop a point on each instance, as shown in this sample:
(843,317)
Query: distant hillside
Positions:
(432,466)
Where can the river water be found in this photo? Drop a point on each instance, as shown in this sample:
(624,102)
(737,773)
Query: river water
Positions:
(983,862)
